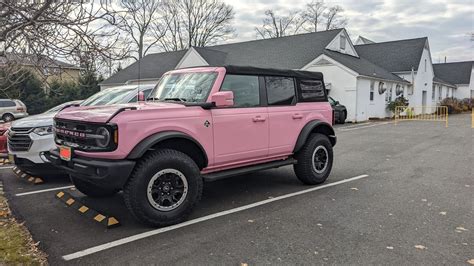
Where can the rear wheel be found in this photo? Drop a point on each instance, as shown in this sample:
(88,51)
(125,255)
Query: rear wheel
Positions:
(164,188)
(8,117)
(314,160)
(92,190)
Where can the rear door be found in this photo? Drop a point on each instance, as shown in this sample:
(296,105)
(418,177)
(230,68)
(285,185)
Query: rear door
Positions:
(241,131)
(286,119)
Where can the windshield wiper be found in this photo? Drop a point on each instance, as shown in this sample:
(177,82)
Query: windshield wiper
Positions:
(175,99)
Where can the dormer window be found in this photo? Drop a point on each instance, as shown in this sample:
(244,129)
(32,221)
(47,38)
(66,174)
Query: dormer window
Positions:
(342,42)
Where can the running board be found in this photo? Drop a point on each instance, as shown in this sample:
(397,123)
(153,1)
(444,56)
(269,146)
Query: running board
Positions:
(247,169)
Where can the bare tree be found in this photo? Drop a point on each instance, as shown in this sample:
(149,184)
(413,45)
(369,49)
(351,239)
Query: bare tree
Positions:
(45,29)
(275,26)
(314,15)
(195,23)
(139,22)
(333,18)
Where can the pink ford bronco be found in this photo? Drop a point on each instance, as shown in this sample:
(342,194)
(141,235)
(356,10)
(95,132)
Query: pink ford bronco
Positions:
(199,124)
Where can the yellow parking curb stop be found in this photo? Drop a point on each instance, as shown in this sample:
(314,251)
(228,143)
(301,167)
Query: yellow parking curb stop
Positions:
(27,177)
(70,201)
(4,161)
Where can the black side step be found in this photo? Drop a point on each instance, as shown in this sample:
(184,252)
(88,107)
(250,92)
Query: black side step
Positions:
(247,169)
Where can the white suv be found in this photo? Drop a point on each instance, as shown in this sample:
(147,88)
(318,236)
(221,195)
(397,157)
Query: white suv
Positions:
(28,138)
(12,109)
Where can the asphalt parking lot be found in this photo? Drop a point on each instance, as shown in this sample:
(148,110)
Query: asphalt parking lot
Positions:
(398,194)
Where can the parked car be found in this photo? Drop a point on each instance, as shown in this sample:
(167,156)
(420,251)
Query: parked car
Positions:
(31,136)
(12,109)
(205,124)
(3,139)
(340,111)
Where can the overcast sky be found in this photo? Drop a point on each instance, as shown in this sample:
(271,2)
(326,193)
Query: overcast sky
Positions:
(447,24)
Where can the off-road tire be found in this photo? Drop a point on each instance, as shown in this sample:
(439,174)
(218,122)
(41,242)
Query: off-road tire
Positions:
(92,190)
(8,118)
(304,168)
(136,193)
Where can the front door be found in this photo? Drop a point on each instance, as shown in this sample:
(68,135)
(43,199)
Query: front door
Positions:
(241,131)
(423,102)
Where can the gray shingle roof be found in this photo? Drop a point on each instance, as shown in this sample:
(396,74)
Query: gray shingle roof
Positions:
(394,56)
(151,66)
(454,73)
(438,80)
(290,52)
(363,66)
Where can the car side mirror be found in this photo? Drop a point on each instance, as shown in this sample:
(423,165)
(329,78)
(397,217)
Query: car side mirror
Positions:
(336,103)
(141,96)
(223,98)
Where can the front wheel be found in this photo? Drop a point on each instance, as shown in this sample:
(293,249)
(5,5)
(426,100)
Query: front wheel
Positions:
(314,160)
(164,188)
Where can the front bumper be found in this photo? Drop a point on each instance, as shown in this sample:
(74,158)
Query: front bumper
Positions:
(104,173)
(37,169)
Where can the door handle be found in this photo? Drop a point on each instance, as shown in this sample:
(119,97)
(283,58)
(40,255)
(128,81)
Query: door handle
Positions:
(259,119)
(297,116)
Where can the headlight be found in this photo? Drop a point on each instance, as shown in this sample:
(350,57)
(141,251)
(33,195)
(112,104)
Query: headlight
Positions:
(43,130)
(103,137)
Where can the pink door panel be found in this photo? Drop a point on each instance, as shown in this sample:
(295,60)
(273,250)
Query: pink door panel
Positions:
(240,134)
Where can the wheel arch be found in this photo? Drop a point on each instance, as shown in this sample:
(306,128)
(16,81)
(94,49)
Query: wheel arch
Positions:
(173,140)
(315,126)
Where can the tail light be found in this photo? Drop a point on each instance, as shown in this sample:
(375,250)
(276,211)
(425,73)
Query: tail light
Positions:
(20,109)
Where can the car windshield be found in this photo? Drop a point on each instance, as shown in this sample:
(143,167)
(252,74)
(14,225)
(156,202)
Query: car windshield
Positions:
(184,87)
(125,98)
(59,107)
(106,96)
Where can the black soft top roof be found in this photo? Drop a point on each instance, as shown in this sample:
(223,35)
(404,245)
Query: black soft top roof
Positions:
(246,70)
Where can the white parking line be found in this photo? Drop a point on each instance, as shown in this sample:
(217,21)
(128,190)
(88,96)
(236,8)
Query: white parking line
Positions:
(365,126)
(6,167)
(42,191)
(130,239)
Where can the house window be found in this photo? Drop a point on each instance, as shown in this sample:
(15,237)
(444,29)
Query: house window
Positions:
(433,92)
(245,88)
(342,42)
(447,92)
(440,92)
(280,90)
(425,65)
(372,89)
(388,94)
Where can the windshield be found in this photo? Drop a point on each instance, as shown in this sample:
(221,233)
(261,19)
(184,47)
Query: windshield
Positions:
(186,87)
(59,107)
(106,96)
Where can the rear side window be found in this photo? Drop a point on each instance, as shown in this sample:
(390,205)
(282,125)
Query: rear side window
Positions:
(280,90)
(245,89)
(312,91)
(7,103)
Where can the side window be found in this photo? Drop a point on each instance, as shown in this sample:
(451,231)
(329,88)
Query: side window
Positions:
(372,89)
(280,90)
(311,91)
(245,88)
(8,104)
(2,103)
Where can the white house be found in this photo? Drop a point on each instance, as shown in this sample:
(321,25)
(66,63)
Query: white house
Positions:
(459,75)
(363,77)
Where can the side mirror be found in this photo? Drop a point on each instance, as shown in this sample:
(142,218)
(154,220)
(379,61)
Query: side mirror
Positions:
(223,98)
(141,96)
(336,103)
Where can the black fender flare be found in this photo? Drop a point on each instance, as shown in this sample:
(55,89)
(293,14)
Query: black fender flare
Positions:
(312,126)
(142,147)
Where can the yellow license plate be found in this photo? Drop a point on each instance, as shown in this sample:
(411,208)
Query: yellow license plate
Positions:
(65,153)
(11,158)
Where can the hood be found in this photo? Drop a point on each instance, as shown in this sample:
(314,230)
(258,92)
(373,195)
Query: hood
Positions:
(100,114)
(41,120)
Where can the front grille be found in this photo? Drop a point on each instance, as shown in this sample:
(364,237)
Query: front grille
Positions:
(18,139)
(80,135)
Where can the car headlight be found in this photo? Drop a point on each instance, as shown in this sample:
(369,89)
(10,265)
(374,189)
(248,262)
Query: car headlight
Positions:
(42,131)
(103,137)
